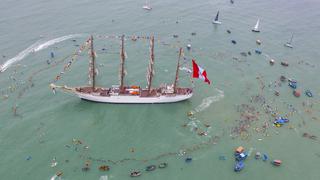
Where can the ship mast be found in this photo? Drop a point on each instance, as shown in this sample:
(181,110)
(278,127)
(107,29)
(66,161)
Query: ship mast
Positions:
(93,68)
(177,72)
(150,67)
(122,58)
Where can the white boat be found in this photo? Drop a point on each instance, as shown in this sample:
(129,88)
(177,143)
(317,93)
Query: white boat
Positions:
(130,94)
(256,27)
(216,19)
(147,6)
(289,44)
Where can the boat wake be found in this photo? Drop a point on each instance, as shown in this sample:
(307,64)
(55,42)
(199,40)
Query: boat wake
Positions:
(209,100)
(38,46)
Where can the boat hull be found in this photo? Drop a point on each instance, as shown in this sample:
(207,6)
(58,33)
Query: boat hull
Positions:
(127,99)
(146,7)
(216,22)
(288,45)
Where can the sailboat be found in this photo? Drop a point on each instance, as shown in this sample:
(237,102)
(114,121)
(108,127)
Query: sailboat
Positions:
(147,6)
(256,27)
(123,93)
(288,44)
(216,19)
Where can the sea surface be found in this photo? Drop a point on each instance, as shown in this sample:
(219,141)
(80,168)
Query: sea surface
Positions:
(39,128)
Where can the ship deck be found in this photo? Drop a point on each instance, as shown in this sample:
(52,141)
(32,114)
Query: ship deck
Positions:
(132,91)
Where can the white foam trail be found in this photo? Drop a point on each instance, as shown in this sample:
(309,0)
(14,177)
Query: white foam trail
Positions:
(34,48)
(18,57)
(55,41)
(206,102)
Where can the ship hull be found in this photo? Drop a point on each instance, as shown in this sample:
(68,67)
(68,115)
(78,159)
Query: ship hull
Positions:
(127,99)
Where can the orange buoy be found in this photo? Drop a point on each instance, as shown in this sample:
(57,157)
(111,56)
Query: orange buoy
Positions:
(297,93)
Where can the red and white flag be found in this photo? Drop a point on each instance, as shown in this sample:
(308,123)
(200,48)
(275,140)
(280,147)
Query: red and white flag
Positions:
(199,72)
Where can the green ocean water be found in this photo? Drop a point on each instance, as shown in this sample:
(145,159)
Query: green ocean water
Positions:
(131,137)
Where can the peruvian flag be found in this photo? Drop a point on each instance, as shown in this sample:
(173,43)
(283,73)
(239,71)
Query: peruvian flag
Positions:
(199,72)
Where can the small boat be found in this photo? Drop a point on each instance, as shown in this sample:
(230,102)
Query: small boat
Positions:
(188,159)
(293,85)
(147,6)
(280,121)
(163,165)
(216,19)
(238,166)
(265,157)
(309,93)
(276,162)
(239,149)
(135,173)
(104,168)
(283,78)
(258,155)
(241,156)
(256,27)
(288,44)
(151,168)
(233,41)
(271,61)
(286,64)
(257,51)
(258,41)
(189,47)
(292,80)
(228,31)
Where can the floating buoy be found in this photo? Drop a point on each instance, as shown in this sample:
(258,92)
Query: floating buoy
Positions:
(297,93)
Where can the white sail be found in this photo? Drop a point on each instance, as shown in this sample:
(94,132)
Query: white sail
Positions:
(256,27)
(216,19)
(288,44)
(147,6)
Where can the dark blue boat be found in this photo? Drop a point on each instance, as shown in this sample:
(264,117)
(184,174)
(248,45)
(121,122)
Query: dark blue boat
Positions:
(238,166)
(309,93)
(293,85)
